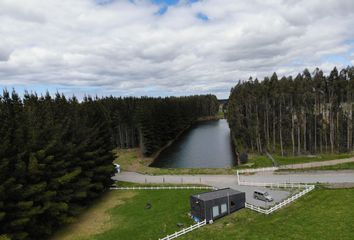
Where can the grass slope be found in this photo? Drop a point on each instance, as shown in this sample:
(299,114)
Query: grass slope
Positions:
(131,160)
(305,159)
(129,219)
(322,214)
(342,166)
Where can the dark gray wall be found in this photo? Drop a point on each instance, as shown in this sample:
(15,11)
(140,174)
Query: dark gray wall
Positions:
(203,210)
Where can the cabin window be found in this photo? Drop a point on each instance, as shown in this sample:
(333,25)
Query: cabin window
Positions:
(223,208)
(232,204)
(216,211)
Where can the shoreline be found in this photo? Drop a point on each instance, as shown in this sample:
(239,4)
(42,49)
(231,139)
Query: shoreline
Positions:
(199,120)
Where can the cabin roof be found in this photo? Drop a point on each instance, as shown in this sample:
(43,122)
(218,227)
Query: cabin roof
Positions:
(216,194)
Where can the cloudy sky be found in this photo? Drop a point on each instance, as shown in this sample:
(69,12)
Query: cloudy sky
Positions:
(167,47)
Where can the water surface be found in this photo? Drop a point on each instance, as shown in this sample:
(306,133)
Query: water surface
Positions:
(205,145)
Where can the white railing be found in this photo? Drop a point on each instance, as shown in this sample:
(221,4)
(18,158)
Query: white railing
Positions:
(307,189)
(184,231)
(255,208)
(252,170)
(162,188)
(274,185)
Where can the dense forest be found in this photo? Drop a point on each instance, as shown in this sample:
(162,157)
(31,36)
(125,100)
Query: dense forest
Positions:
(152,122)
(56,152)
(55,157)
(311,113)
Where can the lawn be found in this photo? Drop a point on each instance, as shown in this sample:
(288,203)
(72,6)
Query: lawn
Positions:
(123,215)
(342,166)
(305,159)
(322,214)
(259,161)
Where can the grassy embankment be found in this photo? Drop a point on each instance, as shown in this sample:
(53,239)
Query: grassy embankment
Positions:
(132,160)
(322,214)
(315,158)
(123,215)
(264,161)
(342,166)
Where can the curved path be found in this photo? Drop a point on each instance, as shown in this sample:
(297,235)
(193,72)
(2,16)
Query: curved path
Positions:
(222,181)
(317,164)
(343,176)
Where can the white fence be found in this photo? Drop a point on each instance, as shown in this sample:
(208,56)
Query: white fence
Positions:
(307,189)
(256,208)
(184,231)
(252,170)
(275,185)
(162,188)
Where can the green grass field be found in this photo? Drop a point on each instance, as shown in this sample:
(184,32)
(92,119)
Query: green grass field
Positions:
(129,219)
(131,160)
(322,214)
(305,159)
(259,161)
(342,166)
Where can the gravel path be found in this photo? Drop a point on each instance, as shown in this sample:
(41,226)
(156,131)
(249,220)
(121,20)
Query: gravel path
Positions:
(317,164)
(342,176)
(222,181)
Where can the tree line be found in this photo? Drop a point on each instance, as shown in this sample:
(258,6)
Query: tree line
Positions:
(311,113)
(56,152)
(151,123)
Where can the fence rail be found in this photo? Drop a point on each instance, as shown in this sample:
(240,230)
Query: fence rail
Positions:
(252,170)
(184,231)
(162,188)
(307,189)
(275,185)
(255,208)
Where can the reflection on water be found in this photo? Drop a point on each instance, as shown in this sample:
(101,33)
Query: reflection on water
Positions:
(206,145)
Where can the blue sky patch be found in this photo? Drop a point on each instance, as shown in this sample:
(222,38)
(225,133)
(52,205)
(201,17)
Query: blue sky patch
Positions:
(203,17)
(167,2)
(104,2)
(162,10)
(172,2)
(342,59)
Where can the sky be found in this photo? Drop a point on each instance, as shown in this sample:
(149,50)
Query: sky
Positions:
(167,47)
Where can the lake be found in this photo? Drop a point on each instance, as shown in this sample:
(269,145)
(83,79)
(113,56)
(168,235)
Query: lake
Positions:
(204,145)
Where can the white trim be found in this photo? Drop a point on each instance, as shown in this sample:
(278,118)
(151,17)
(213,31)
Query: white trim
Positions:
(184,231)
(162,188)
(307,188)
(281,204)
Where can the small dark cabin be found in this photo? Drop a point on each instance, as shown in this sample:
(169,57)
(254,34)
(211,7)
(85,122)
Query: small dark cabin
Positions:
(216,204)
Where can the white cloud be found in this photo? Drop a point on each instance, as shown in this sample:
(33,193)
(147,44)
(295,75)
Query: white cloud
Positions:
(125,48)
